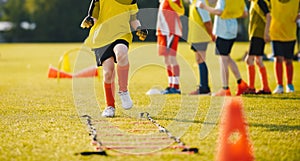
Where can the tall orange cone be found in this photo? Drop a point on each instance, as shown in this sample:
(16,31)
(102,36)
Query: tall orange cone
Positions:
(87,72)
(55,73)
(234,143)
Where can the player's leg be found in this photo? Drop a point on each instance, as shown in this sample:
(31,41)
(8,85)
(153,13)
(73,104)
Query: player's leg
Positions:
(162,51)
(263,76)
(288,58)
(105,58)
(254,48)
(223,48)
(108,83)
(121,51)
(200,55)
(169,69)
(278,65)
(251,73)
(176,74)
(289,74)
(168,49)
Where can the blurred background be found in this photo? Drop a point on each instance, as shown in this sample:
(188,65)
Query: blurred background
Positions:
(59,20)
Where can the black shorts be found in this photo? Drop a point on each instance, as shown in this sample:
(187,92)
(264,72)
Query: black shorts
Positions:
(107,51)
(202,46)
(257,46)
(224,46)
(285,49)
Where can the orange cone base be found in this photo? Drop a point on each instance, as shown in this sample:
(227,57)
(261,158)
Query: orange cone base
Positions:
(53,73)
(234,143)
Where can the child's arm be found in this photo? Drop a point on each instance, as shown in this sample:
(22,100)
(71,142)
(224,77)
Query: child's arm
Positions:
(93,12)
(140,31)
(209,9)
(267,28)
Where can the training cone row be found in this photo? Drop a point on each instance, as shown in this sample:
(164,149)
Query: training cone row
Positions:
(88,72)
(233,142)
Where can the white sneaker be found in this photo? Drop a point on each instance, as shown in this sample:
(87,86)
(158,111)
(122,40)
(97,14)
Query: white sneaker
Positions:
(109,112)
(290,88)
(126,100)
(278,89)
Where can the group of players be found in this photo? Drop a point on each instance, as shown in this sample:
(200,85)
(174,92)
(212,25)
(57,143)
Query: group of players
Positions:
(269,21)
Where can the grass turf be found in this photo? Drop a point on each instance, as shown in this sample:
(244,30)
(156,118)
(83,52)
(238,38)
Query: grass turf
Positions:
(39,120)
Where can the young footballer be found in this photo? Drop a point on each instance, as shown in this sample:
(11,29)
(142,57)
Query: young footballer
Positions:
(199,25)
(281,30)
(109,38)
(225,28)
(258,11)
(169,30)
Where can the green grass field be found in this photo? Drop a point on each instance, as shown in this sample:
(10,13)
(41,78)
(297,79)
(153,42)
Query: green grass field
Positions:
(39,120)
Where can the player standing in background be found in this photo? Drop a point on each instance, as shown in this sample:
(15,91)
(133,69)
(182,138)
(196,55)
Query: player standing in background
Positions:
(200,21)
(169,30)
(109,38)
(281,29)
(258,11)
(225,28)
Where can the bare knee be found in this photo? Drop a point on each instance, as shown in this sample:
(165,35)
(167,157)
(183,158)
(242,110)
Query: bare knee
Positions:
(121,52)
(250,60)
(288,61)
(259,62)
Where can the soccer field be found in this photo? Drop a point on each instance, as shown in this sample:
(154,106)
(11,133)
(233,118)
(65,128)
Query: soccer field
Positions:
(40,119)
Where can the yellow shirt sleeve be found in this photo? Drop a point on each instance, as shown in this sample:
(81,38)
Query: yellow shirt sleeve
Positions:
(96,10)
(178,9)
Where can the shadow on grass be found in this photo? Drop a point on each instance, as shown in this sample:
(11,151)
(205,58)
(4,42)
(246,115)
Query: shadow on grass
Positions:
(274,127)
(285,96)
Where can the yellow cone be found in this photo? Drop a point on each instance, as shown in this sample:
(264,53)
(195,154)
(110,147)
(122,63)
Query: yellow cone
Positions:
(66,67)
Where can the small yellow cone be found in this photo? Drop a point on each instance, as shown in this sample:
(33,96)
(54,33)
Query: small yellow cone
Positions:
(66,67)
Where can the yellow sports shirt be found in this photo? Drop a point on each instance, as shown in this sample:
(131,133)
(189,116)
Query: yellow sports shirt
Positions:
(257,20)
(283,24)
(113,22)
(233,9)
(197,32)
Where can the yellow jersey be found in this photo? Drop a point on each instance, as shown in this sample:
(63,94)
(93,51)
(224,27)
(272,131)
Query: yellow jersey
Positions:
(113,22)
(233,9)
(283,25)
(257,20)
(197,32)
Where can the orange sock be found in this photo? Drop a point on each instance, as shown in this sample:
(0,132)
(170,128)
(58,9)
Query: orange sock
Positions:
(176,73)
(170,75)
(109,94)
(278,71)
(289,73)
(123,77)
(251,76)
(264,78)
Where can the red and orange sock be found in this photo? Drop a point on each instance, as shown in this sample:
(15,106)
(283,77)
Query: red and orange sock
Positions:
(109,94)
(170,75)
(123,77)
(278,71)
(251,76)
(176,71)
(289,73)
(264,78)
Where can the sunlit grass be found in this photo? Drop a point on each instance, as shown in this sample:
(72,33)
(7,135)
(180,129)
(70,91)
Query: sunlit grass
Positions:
(39,120)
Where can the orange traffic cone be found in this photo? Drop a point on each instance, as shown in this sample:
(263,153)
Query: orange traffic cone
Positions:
(54,72)
(87,72)
(234,144)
